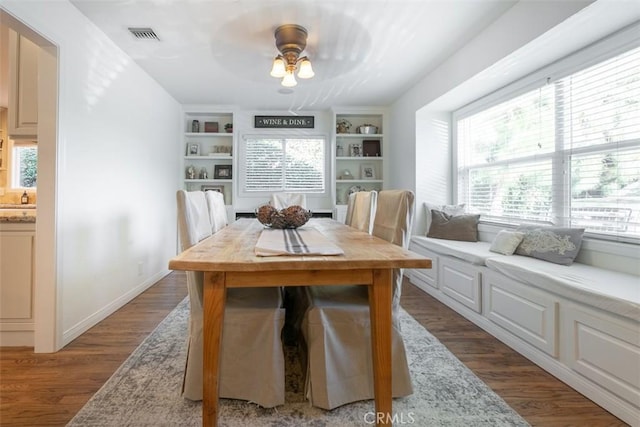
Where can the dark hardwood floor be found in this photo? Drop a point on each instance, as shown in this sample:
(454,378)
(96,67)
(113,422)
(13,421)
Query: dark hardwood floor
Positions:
(48,389)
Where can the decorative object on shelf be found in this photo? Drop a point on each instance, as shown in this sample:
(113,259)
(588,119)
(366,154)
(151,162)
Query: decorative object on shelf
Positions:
(355,150)
(371,148)
(354,189)
(211,127)
(222,172)
(339,151)
(220,151)
(343,126)
(346,174)
(367,171)
(218,188)
(191,172)
(291,40)
(195,126)
(228,128)
(203,174)
(24,199)
(367,129)
(290,217)
(193,149)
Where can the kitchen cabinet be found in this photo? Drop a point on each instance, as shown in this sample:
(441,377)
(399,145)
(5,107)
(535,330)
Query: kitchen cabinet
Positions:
(23,87)
(17,247)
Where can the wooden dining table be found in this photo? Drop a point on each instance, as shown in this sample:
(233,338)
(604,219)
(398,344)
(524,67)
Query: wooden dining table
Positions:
(228,260)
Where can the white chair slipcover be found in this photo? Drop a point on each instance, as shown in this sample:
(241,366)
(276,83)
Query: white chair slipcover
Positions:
(336,326)
(284,200)
(217,210)
(252,360)
(361,210)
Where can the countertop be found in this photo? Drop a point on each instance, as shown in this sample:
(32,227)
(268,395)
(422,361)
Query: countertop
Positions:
(10,213)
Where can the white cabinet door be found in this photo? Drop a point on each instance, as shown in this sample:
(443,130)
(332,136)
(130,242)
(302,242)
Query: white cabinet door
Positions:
(23,88)
(16,276)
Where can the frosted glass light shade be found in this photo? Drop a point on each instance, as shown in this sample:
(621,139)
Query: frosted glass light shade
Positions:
(306,72)
(289,80)
(278,68)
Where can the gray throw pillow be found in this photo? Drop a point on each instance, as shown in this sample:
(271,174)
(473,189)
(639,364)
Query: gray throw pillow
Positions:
(554,244)
(453,227)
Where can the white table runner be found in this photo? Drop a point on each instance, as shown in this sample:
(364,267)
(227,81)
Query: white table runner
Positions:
(298,241)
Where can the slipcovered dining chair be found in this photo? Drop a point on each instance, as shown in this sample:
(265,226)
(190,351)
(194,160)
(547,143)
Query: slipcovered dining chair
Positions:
(252,359)
(217,210)
(336,325)
(361,210)
(284,200)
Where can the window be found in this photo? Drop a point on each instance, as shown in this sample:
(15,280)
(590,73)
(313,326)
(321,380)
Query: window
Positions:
(565,152)
(284,164)
(24,164)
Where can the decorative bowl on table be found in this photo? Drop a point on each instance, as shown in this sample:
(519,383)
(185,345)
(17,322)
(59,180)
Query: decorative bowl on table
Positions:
(291,217)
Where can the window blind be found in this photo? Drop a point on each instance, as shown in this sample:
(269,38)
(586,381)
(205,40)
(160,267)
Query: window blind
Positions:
(284,164)
(564,153)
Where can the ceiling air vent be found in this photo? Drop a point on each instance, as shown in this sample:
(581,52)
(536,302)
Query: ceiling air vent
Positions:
(144,33)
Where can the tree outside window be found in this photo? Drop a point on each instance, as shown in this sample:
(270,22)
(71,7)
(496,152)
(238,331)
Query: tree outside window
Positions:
(25,166)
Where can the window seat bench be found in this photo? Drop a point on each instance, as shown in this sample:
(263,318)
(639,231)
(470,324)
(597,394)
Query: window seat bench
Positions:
(581,323)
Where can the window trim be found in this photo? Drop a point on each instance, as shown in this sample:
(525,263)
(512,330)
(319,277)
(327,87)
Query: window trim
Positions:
(621,41)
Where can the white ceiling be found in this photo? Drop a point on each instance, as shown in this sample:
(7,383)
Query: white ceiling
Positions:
(363,52)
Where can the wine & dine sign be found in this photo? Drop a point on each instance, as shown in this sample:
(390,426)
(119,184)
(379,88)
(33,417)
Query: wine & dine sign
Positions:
(298,122)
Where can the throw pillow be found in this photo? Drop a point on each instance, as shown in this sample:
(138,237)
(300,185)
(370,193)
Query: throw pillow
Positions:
(506,242)
(448,209)
(554,244)
(453,227)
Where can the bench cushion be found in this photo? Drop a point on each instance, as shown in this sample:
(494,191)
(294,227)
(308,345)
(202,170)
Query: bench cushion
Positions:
(474,252)
(608,290)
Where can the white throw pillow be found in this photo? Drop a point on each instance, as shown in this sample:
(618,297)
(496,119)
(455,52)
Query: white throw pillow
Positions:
(451,210)
(506,242)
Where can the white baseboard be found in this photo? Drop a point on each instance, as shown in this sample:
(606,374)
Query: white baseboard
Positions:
(84,325)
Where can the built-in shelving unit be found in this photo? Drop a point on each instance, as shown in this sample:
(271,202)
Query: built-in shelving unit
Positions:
(359,156)
(208,151)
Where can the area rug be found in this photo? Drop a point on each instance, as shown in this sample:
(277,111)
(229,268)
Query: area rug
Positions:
(145,390)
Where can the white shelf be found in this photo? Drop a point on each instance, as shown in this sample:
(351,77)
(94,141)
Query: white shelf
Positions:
(358,181)
(209,157)
(359,135)
(199,134)
(361,158)
(221,181)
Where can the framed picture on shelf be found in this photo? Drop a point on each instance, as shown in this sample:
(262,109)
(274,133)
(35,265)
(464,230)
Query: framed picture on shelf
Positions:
(218,188)
(371,148)
(367,171)
(193,149)
(222,172)
(355,150)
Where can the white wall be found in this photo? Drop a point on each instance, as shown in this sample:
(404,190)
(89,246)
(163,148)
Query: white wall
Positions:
(117,136)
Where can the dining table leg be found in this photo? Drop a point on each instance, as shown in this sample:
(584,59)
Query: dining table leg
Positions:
(214,298)
(380,299)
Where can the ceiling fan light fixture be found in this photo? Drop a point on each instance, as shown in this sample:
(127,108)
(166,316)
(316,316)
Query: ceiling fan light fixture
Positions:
(278,68)
(291,40)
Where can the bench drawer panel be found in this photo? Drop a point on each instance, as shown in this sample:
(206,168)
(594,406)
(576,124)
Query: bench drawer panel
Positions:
(428,276)
(605,350)
(528,313)
(461,281)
